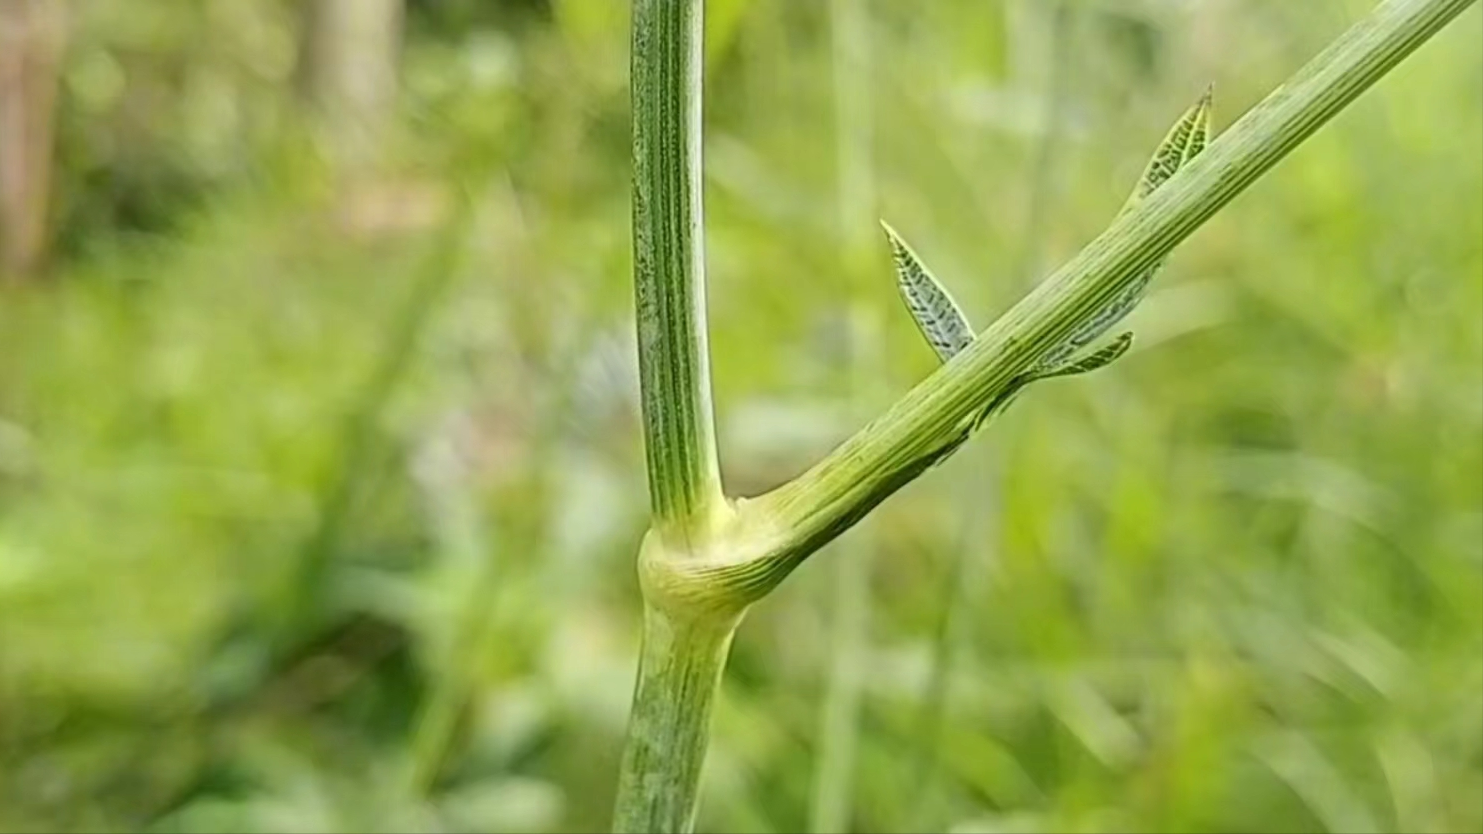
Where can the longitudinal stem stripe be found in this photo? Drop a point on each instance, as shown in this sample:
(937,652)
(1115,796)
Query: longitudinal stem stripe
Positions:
(669,269)
(887,453)
(679,673)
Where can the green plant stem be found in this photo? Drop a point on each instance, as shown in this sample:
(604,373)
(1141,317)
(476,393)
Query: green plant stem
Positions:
(687,629)
(669,269)
(679,673)
(888,453)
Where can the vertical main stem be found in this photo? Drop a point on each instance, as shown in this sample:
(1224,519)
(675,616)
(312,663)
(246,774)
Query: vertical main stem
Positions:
(679,673)
(669,269)
(684,649)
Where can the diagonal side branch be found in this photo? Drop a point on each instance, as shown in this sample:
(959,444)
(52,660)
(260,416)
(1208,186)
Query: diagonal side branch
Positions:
(789,523)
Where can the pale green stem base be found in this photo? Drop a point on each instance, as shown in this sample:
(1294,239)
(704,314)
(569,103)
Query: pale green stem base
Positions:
(679,673)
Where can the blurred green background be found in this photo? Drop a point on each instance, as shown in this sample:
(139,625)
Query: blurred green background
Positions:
(321,479)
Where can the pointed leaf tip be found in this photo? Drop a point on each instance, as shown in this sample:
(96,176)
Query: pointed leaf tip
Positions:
(933,309)
(1200,134)
(1185,139)
(1183,142)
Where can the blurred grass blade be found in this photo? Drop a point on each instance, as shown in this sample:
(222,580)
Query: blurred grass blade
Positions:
(358,437)
(1321,786)
(936,313)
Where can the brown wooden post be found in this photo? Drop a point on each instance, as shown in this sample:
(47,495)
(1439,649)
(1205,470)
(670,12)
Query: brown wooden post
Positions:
(33,36)
(348,72)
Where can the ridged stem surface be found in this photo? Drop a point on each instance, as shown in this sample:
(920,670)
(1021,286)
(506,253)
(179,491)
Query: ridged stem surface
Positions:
(669,268)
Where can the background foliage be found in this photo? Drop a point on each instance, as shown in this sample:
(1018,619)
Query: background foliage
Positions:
(308,525)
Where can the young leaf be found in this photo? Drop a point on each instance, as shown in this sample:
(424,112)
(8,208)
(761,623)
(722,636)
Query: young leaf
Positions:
(1100,358)
(948,331)
(936,314)
(1184,141)
(1200,137)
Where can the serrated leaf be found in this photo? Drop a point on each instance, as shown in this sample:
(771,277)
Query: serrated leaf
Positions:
(936,313)
(947,330)
(1200,136)
(1185,140)
(1099,358)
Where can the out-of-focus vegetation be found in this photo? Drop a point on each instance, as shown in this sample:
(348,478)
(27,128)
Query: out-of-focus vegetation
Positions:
(313,521)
